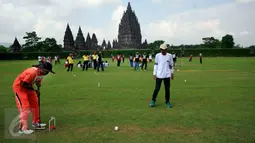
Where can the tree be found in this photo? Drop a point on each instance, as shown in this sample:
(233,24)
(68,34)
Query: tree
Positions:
(227,41)
(31,41)
(238,46)
(49,45)
(155,45)
(252,50)
(211,42)
(3,49)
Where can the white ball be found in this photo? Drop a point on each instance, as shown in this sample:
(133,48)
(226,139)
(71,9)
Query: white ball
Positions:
(74,75)
(116,128)
(185,80)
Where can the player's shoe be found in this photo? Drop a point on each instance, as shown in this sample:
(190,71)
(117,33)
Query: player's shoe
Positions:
(152,104)
(39,126)
(26,132)
(168,105)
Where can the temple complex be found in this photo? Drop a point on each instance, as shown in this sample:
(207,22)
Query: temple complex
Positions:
(129,36)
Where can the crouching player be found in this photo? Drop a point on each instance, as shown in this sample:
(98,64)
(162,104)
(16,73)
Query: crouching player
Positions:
(26,95)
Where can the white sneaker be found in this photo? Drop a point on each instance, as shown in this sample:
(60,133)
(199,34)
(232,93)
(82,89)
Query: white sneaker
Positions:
(39,125)
(42,124)
(26,132)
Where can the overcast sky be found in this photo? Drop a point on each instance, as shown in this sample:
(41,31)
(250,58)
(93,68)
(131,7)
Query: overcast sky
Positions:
(175,21)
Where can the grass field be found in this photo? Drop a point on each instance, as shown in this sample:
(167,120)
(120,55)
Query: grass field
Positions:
(216,104)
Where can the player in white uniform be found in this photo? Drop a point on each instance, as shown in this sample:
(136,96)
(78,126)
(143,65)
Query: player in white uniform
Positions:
(163,71)
(150,58)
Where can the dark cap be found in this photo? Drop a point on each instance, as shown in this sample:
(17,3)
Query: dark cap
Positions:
(47,66)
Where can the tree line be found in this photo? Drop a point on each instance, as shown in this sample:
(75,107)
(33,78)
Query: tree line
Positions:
(226,42)
(33,43)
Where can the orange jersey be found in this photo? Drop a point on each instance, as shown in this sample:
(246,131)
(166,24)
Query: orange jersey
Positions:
(31,75)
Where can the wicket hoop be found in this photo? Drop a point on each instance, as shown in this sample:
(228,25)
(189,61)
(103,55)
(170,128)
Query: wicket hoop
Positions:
(54,122)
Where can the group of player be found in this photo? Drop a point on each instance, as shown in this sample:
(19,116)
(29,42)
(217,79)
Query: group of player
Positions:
(94,61)
(140,61)
(43,59)
(200,58)
(26,86)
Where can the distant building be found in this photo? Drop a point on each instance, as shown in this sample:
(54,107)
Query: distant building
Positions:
(16,47)
(79,42)
(129,34)
(68,39)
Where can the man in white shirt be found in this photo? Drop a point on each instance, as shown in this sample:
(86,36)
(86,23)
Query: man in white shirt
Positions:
(163,71)
(39,58)
(174,57)
(200,57)
(56,59)
(150,58)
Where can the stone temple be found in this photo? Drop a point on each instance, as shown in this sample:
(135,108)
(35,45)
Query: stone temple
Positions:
(129,34)
(80,43)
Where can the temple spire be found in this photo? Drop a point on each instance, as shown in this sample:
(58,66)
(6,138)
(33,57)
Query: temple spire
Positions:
(88,42)
(94,42)
(80,40)
(104,43)
(16,47)
(68,38)
(129,6)
(129,34)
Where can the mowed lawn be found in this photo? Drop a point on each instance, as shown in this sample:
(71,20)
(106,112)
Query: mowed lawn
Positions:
(215,104)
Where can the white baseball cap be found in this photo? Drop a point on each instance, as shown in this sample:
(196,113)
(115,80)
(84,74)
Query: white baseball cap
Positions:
(163,46)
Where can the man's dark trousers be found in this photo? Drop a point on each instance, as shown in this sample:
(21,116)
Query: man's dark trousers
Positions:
(95,64)
(118,63)
(85,65)
(144,63)
(70,66)
(157,88)
(100,64)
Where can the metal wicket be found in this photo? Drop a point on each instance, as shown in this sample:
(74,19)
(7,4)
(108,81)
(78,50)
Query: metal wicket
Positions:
(54,122)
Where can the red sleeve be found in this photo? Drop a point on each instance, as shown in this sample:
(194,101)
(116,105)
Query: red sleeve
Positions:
(29,78)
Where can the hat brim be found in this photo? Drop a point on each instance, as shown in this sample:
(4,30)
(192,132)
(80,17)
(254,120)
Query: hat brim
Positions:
(52,72)
(162,48)
(49,71)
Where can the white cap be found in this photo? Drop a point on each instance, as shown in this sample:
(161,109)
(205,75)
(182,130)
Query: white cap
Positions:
(163,46)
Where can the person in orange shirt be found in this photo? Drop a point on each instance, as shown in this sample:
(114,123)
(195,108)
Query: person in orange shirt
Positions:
(26,95)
